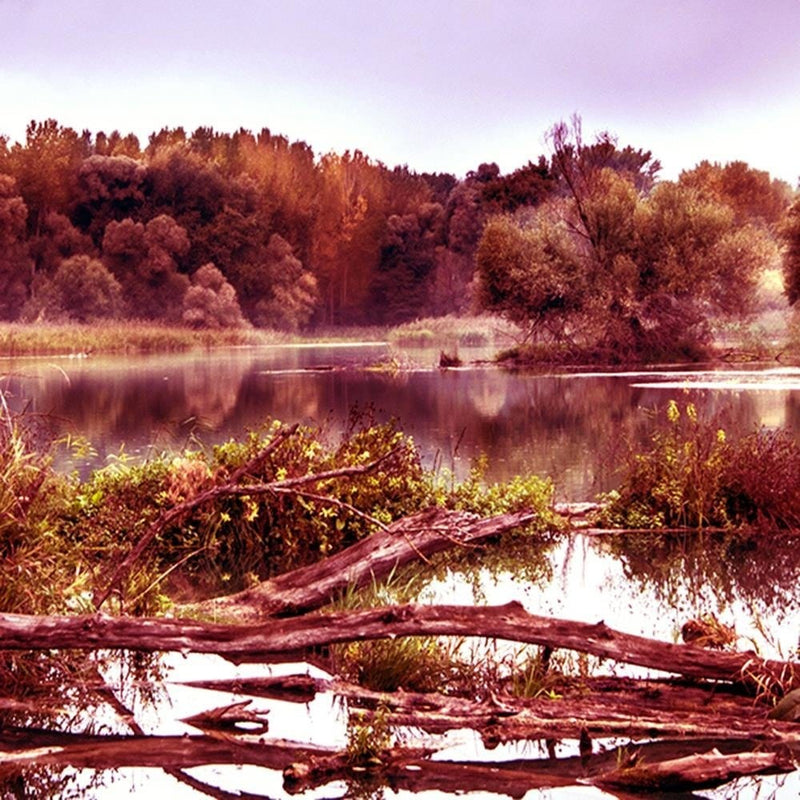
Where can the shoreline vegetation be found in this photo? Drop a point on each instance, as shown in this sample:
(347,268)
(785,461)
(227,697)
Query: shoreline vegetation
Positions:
(767,338)
(289,546)
(123,338)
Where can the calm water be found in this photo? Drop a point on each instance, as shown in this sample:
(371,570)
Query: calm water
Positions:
(574,427)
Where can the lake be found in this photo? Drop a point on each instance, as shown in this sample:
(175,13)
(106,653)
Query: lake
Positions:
(575,426)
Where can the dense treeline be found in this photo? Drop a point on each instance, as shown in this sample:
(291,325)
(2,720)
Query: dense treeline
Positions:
(217,230)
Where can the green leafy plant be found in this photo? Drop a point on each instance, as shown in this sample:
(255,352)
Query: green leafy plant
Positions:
(368,736)
(694,476)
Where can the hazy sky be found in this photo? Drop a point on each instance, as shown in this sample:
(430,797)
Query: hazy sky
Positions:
(435,84)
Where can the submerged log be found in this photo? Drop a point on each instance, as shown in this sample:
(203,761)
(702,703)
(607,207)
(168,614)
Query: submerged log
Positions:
(372,559)
(21,746)
(598,707)
(242,643)
(408,768)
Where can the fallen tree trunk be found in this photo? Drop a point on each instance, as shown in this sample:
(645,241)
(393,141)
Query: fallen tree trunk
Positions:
(21,746)
(406,768)
(700,771)
(599,707)
(247,643)
(372,559)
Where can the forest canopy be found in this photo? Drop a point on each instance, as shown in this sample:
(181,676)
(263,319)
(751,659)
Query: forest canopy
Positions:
(211,229)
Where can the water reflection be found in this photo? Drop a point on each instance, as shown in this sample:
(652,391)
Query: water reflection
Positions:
(573,427)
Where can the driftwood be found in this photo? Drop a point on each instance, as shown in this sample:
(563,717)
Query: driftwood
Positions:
(598,707)
(372,559)
(230,719)
(242,643)
(403,767)
(233,488)
(711,728)
(700,771)
(20,746)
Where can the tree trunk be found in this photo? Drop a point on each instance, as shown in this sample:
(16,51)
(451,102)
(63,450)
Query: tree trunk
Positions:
(598,707)
(699,771)
(247,643)
(372,559)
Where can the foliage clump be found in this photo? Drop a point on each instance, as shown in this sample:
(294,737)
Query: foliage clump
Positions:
(618,268)
(694,476)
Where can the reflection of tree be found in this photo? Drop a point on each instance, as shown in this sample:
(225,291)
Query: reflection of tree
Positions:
(755,568)
(489,398)
(65,692)
(211,388)
(574,429)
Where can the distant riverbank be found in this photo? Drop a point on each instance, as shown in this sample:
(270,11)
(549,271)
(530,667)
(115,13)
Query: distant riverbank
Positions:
(49,339)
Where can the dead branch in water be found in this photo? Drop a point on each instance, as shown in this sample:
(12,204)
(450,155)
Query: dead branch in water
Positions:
(598,707)
(232,488)
(258,642)
(372,559)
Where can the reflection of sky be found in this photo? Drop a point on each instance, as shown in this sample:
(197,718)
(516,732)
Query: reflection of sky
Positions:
(589,585)
(551,424)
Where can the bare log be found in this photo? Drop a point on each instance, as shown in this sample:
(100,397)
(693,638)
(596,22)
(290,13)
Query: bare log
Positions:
(230,719)
(178,511)
(700,771)
(241,643)
(374,558)
(21,746)
(306,766)
(620,707)
(232,488)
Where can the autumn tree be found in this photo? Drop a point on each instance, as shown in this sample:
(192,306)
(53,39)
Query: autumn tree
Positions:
(144,258)
(612,268)
(85,290)
(753,195)
(401,288)
(109,188)
(791,256)
(115,144)
(211,302)
(57,240)
(46,168)
(524,187)
(349,230)
(576,163)
(15,262)
(293,294)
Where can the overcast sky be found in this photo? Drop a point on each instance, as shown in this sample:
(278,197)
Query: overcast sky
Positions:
(439,85)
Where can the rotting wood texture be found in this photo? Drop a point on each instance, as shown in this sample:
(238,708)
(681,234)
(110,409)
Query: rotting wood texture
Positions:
(257,642)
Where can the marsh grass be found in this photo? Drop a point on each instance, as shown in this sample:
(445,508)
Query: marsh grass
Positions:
(368,736)
(122,337)
(127,337)
(450,332)
(535,673)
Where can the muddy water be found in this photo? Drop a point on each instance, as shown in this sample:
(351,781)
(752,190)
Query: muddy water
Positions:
(574,427)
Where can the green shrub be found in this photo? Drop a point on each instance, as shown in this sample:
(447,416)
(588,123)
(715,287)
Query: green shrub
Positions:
(693,476)
(762,480)
(413,663)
